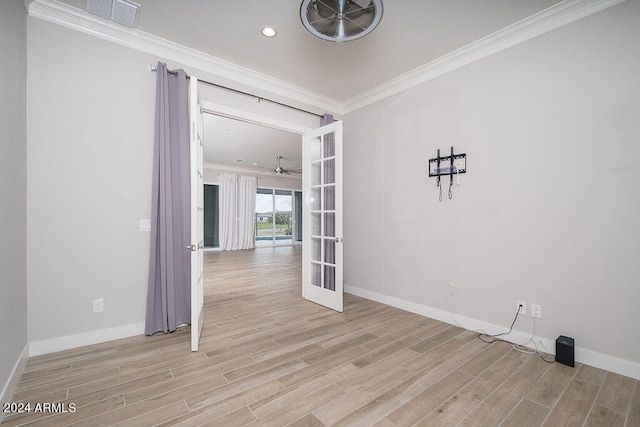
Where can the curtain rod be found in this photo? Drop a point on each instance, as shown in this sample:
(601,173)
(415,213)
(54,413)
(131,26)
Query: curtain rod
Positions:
(259,98)
(238,174)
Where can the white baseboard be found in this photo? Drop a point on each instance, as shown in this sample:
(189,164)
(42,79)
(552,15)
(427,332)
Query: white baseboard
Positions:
(37,348)
(12,382)
(582,355)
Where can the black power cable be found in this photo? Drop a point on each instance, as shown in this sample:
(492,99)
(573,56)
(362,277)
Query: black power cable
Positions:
(515,346)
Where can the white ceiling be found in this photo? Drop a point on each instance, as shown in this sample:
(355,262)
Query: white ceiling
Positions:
(413,38)
(250,146)
(412,33)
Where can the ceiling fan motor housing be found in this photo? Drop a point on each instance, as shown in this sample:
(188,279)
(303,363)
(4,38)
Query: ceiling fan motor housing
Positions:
(340,20)
(279,170)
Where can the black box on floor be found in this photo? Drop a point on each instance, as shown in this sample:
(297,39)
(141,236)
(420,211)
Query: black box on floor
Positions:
(564,350)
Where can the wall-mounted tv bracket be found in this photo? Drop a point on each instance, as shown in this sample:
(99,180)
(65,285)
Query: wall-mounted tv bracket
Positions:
(455,164)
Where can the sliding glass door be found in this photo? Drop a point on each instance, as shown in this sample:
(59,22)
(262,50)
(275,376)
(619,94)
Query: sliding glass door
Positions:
(211,216)
(297,202)
(276,217)
(264,217)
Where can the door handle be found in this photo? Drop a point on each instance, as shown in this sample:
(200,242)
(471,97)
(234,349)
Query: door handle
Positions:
(194,248)
(338,239)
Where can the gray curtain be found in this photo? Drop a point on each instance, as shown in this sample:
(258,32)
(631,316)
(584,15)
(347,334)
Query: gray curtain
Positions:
(168,295)
(326,119)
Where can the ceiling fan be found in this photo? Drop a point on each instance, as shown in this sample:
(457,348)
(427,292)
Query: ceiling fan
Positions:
(340,20)
(279,170)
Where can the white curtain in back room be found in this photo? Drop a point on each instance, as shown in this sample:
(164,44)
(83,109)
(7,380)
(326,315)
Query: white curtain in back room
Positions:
(247,189)
(237,207)
(228,210)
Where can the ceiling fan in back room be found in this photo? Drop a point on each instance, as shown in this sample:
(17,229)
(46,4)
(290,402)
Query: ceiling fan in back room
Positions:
(279,170)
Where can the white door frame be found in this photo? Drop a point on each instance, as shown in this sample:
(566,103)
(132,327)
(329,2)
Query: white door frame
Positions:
(245,116)
(258,119)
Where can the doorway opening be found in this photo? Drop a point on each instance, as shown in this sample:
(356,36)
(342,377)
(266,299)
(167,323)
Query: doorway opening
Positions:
(278,220)
(321,147)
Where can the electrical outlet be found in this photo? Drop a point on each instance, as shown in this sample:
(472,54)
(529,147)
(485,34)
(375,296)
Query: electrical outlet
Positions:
(536,311)
(453,283)
(522,307)
(98,305)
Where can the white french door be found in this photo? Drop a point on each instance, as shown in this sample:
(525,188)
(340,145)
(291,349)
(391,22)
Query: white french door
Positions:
(322,268)
(197,213)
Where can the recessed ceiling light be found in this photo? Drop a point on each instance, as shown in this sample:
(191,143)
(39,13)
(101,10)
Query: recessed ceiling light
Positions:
(269,32)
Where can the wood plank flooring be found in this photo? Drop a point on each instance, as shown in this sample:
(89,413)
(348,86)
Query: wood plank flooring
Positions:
(268,357)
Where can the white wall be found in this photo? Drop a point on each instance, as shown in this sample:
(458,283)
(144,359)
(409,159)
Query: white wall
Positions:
(91,112)
(90,137)
(548,211)
(13,190)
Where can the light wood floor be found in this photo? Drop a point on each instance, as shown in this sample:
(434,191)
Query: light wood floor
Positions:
(268,357)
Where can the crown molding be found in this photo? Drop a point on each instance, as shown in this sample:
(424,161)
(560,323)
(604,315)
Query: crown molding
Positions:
(542,22)
(25,3)
(70,17)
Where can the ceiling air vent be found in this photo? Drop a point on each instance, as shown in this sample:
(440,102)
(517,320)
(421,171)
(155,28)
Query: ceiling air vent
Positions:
(340,20)
(123,12)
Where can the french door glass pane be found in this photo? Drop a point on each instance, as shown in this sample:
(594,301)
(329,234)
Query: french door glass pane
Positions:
(316,249)
(316,149)
(329,277)
(330,224)
(315,199)
(330,251)
(316,224)
(316,173)
(329,171)
(329,145)
(329,198)
(316,275)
